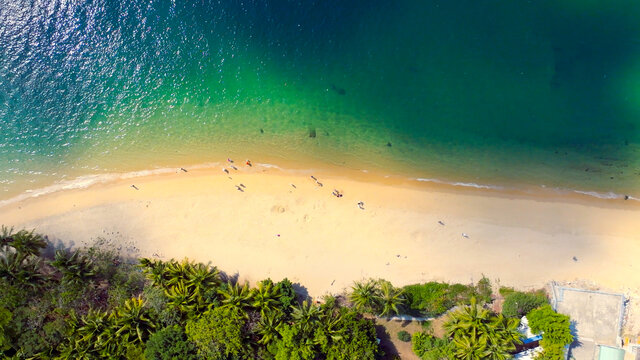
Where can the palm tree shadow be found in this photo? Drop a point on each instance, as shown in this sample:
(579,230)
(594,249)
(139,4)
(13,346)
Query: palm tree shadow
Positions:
(54,244)
(231,279)
(301,292)
(386,345)
(576,343)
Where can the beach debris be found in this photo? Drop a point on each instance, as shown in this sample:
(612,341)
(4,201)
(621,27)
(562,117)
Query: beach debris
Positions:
(626,197)
(319,183)
(361,205)
(229,160)
(248,162)
(225,170)
(333,282)
(243,186)
(278,235)
(398,255)
(440,222)
(294,186)
(387,263)
(239,188)
(575,259)
(135,187)
(464,235)
(234,168)
(183,169)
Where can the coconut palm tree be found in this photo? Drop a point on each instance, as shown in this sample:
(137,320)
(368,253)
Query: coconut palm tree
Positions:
(236,296)
(306,316)
(365,295)
(75,268)
(478,334)
(265,297)
(268,327)
(20,271)
(132,322)
(390,299)
(201,277)
(25,243)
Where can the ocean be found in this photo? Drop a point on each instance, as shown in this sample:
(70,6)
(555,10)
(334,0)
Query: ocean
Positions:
(516,95)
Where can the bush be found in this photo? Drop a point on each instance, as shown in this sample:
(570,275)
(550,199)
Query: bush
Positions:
(517,304)
(429,347)
(170,343)
(434,298)
(404,336)
(556,328)
(504,291)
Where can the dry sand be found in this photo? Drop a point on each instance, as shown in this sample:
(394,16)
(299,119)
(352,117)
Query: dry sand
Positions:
(272,229)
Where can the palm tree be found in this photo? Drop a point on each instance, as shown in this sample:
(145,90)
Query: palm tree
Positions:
(390,299)
(183,299)
(267,327)
(306,316)
(19,271)
(265,297)
(478,334)
(365,295)
(236,296)
(132,322)
(201,277)
(155,271)
(25,243)
(75,268)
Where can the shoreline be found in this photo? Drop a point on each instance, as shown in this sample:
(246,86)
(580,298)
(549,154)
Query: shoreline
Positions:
(376,176)
(272,229)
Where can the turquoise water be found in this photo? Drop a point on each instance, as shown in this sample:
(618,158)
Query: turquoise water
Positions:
(515,94)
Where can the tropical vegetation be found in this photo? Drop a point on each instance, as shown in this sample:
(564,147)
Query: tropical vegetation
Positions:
(91,303)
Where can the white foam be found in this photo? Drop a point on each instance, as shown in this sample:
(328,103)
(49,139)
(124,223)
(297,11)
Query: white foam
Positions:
(464,184)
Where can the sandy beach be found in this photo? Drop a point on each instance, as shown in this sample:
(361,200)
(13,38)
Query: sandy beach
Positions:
(283,224)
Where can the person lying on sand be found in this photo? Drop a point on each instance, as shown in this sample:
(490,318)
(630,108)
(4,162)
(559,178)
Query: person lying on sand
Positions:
(361,205)
(464,235)
(225,170)
(135,187)
(248,162)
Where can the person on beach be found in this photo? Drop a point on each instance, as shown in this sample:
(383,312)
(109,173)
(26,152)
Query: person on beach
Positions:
(249,162)
(229,160)
(225,170)
(135,187)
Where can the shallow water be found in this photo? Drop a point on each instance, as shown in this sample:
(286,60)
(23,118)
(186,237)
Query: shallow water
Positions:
(508,94)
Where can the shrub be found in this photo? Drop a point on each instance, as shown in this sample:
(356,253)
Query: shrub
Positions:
(517,304)
(556,328)
(170,343)
(429,347)
(483,289)
(404,336)
(434,298)
(504,290)
(218,333)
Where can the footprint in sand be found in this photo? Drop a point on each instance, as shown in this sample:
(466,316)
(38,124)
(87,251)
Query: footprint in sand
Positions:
(278,209)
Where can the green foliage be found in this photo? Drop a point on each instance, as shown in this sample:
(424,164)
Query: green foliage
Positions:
(218,334)
(404,336)
(555,328)
(377,297)
(518,304)
(550,351)
(170,343)
(478,334)
(483,289)
(75,268)
(287,298)
(429,347)
(433,298)
(504,291)
(5,319)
